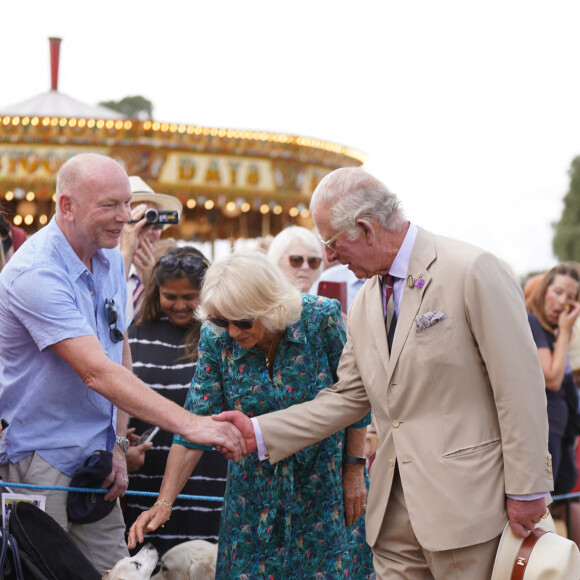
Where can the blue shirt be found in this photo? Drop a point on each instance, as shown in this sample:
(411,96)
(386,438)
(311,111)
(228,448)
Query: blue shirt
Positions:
(46,296)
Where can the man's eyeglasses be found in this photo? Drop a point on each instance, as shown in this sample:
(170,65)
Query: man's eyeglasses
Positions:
(332,241)
(111,313)
(190,264)
(297,261)
(225,323)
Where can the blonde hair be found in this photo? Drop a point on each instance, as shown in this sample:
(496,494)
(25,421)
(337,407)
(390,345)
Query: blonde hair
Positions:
(247,286)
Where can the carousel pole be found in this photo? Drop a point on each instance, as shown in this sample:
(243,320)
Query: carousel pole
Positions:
(54,62)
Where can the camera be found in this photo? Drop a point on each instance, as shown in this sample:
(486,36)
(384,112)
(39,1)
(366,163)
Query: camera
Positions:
(154,217)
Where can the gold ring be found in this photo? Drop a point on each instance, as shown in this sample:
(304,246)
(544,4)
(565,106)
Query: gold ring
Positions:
(364,506)
(545,515)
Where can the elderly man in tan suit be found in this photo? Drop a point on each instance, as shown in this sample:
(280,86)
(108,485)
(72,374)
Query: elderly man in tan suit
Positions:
(459,395)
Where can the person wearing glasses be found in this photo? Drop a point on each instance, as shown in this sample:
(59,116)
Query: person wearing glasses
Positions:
(65,363)
(266,346)
(164,351)
(296,251)
(440,347)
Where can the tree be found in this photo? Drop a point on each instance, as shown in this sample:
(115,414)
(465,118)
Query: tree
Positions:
(137,107)
(566,242)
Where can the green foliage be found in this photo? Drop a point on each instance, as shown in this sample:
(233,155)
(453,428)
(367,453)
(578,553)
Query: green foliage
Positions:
(132,107)
(566,242)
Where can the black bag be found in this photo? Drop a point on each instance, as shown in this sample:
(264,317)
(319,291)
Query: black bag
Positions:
(46,550)
(10,566)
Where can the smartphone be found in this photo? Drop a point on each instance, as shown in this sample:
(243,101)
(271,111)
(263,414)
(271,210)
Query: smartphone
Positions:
(148,435)
(335,290)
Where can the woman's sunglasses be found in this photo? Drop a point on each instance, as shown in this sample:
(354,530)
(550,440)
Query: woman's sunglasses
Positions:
(297,261)
(190,264)
(225,323)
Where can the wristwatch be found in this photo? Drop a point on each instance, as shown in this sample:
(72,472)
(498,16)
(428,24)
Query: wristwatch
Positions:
(123,443)
(353,460)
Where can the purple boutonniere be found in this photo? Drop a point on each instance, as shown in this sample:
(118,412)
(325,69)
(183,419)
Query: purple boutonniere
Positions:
(419,283)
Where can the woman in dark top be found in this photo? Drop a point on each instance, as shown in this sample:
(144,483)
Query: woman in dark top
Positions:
(553,308)
(164,351)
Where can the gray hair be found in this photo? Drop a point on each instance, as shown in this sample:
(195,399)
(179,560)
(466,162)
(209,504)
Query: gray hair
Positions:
(281,242)
(350,193)
(246,286)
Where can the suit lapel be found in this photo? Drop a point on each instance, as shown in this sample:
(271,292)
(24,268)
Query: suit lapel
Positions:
(376,320)
(421,258)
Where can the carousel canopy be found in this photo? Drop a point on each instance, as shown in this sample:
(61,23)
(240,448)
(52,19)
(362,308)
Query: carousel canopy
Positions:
(55,104)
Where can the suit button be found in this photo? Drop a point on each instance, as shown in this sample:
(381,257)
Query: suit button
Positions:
(391,463)
(396,424)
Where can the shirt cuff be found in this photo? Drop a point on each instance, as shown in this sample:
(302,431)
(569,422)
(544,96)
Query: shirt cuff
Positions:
(528,497)
(262,450)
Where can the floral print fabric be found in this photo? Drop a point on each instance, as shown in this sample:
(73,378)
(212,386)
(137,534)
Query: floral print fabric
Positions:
(284,520)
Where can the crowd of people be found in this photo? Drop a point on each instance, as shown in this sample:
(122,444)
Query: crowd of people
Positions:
(456,386)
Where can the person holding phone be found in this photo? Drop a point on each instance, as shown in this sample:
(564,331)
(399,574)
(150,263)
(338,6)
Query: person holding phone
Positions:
(163,344)
(553,309)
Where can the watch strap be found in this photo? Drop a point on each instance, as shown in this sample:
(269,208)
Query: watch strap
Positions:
(354,460)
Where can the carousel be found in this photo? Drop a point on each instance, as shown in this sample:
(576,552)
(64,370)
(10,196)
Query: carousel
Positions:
(232,183)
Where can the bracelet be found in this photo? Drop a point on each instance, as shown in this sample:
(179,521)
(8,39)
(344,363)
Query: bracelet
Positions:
(353,460)
(163,501)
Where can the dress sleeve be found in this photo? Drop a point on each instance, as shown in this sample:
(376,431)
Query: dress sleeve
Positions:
(538,333)
(205,396)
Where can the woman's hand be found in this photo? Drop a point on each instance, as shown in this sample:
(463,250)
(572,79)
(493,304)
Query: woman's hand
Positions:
(354,491)
(148,521)
(568,317)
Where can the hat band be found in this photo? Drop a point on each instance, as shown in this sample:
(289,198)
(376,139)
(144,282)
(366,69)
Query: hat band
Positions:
(524,553)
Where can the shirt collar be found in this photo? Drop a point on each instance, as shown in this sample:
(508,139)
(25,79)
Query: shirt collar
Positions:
(400,265)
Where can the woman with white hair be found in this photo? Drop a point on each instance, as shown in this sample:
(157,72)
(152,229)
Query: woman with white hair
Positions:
(265,346)
(298,253)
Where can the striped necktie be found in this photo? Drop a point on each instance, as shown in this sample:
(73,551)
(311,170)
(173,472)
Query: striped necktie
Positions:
(391,317)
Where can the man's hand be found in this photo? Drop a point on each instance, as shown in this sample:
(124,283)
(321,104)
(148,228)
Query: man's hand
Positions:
(354,491)
(224,436)
(118,477)
(524,515)
(243,425)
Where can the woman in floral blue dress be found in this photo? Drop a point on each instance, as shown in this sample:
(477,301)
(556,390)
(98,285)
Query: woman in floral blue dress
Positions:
(267,347)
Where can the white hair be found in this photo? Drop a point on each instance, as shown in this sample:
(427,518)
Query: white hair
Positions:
(281,242)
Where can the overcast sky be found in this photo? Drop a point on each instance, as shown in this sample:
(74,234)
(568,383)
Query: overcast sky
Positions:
(469,111)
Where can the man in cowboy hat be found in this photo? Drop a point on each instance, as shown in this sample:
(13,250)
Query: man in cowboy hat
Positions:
(140,239)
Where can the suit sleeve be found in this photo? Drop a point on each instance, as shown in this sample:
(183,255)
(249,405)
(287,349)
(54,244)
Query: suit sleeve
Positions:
(498,320)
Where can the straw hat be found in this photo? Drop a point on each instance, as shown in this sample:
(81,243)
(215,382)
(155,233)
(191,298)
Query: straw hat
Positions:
(142,193)
(552,557)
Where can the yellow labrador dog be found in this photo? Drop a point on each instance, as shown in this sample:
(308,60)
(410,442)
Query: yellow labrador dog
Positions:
(194,560)
(138,567)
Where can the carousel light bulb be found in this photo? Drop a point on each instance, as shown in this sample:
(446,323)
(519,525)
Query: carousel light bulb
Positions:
(209,204)
(17,220)
(9,196)
(191,203)
(264,209)
(30,196)
(277,209)
(43,219)
(28,219)
(245,207)
(293,211)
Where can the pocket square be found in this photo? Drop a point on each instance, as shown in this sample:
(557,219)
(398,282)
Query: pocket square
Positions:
(429,319)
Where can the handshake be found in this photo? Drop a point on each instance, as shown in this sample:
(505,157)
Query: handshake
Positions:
(234,434)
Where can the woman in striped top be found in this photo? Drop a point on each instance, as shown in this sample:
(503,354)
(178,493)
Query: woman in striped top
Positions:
(164,351)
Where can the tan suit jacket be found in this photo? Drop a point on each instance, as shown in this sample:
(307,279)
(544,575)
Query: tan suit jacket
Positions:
(460,405)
